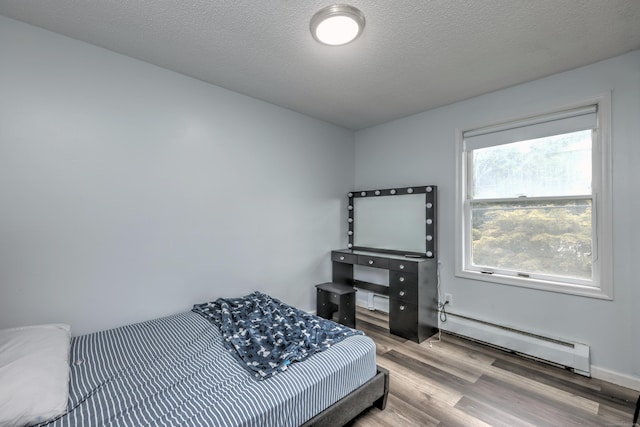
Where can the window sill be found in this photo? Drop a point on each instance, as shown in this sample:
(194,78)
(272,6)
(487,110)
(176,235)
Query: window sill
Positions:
(542,285)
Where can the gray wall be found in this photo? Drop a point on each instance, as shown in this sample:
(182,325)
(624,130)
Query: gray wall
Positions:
(128,191)
(421,150)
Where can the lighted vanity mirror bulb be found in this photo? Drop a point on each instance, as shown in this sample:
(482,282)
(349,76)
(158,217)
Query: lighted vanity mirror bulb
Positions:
(429,238)
(350,233)
(409,190)
(429,205)
(429,189)
(350,207)
(350,194)
(429,221)
(350,219)
(364,193)
(377,193)
(429,253)
(349,245)
(392,191)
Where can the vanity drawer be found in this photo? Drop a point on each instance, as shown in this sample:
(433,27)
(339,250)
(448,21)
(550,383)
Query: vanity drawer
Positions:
(403,286)
(403,319)
(402,265)
(342,257)
(373,261)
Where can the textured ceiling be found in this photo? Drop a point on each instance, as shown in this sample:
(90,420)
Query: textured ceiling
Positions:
(412,56)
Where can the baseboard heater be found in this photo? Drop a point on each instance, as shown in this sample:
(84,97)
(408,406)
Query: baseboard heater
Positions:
(569,354)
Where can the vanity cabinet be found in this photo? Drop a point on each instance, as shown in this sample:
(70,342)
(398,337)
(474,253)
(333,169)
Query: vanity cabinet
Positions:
(412,290)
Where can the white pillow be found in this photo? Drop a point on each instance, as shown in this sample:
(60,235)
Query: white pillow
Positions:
(34,373)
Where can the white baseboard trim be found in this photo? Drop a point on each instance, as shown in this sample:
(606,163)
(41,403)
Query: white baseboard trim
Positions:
(623,380)
(613,377)
(560,351)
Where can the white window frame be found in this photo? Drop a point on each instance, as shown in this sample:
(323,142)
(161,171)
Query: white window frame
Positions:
(602,284)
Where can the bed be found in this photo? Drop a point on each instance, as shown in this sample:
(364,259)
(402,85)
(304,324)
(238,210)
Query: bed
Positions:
(176,370)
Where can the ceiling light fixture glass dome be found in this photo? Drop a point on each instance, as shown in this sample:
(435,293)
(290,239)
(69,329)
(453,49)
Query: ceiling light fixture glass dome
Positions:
(337,24)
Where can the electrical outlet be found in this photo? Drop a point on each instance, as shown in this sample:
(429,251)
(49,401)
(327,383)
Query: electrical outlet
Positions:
(448,298)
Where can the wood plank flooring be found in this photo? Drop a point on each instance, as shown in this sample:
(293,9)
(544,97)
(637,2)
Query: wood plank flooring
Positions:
(458,382)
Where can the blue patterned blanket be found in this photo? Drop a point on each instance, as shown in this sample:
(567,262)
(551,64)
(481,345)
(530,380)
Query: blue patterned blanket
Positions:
(266,335)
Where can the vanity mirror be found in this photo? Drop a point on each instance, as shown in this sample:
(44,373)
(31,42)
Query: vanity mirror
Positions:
(395,220)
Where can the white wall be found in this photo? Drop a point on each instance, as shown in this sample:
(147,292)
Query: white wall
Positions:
(421,150)
(128,191)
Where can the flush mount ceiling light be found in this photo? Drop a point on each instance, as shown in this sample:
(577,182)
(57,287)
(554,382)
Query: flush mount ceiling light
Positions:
(337,24)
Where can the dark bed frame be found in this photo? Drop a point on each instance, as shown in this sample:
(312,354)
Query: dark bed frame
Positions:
(372,393)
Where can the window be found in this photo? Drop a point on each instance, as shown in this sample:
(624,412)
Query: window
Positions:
(534,205)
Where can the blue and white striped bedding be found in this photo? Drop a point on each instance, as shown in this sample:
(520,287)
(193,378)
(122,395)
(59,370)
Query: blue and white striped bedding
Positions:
(176,371)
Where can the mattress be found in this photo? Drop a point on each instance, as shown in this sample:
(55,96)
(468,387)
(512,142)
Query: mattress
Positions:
(176,371)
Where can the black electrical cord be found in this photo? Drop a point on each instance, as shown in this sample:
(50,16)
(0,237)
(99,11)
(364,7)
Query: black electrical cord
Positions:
(442,308)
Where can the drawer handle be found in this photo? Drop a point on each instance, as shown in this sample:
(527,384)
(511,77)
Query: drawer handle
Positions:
(401,279)
(370,262)
(401,293)
(401,266)
(341,258)
(402,308)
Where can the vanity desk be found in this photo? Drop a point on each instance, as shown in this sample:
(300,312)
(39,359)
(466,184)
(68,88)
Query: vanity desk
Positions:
(392,229)
(412,290)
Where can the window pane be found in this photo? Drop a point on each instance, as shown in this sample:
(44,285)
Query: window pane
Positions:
(559,165)
(552,238)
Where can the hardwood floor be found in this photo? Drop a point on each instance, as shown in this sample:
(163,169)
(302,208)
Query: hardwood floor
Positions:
(458,382)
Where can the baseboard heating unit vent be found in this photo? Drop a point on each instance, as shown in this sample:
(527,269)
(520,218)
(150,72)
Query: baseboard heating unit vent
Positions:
(570,354)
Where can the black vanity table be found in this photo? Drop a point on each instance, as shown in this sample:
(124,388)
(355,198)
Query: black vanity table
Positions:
(413,275)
